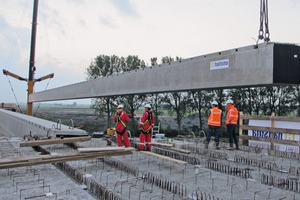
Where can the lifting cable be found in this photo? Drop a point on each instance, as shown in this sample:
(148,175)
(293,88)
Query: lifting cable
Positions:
(40,103)
(12,89)
(13,48)
(264,34)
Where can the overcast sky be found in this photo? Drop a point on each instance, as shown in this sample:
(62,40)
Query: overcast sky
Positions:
(71,33)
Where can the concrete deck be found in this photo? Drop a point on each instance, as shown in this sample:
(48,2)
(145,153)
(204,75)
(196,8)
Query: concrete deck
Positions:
(208,174)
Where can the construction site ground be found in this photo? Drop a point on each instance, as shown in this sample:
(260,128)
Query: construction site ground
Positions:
(182,170)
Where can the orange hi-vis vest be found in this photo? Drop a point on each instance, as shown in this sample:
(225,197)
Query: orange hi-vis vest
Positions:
(232,115)
(214,119)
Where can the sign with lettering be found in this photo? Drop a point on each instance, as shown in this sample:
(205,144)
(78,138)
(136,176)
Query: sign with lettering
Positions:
(219,64)
(278,136)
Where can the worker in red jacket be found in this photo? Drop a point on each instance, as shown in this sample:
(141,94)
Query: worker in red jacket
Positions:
(146,125)
(121,118)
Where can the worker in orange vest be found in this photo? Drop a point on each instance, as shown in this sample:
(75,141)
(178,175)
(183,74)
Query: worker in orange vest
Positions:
(146,125)
(214,124)
(231,123)
(121,118)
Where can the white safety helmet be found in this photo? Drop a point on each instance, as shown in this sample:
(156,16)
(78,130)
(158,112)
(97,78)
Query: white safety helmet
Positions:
(120,106)
(147,106)
(229,101)
(214,103)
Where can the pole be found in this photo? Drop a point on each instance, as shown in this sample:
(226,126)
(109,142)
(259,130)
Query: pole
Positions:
(32,57)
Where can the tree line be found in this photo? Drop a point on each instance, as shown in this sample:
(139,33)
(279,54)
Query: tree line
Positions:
(282,100)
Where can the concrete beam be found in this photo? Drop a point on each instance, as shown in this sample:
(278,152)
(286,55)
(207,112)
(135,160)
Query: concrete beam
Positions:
(23,125)
(255,65)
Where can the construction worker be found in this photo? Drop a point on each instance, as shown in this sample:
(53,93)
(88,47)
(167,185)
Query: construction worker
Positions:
(146,125)
(121,118)
(214,124)
(231,123)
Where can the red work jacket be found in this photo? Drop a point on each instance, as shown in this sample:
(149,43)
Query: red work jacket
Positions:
(145,123)
(121,123)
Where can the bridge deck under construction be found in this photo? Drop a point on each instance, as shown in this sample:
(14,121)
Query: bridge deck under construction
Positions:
(165,173)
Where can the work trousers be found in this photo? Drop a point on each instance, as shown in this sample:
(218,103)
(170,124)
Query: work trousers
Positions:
(145,138)
(123,138)
(231,133)
(213,130)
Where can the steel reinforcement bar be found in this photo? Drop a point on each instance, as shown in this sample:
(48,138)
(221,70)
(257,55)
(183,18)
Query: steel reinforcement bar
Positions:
(165,183)
(176,155)
(99,191)
(227,169)
(291,184)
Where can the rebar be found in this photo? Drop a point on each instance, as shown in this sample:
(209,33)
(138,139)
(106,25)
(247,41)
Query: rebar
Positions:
(227,169)
(291,184)
(176,155)
(206,152)
(166,184)
(99,191)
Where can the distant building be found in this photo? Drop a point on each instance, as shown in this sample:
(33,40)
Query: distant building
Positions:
(9,106)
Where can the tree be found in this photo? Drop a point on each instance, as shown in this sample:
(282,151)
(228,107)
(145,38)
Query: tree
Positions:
(220,97)
(153,61)
(102,66)
(156,100)
(178,102)
(284,100)
(201,99)
(296,99)
(241,99)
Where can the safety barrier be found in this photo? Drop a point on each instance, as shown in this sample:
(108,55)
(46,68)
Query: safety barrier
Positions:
(270,134)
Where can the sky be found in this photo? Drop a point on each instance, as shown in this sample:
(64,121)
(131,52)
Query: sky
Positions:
(71,33)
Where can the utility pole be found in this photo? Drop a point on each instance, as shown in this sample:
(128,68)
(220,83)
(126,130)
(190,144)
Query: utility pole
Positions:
(31,81)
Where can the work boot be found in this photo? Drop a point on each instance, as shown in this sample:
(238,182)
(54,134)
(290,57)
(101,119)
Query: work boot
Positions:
(237,146)
(230,146)
(217,146)
(205,145)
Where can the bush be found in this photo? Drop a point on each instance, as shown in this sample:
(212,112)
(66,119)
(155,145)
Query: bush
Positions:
(169,132)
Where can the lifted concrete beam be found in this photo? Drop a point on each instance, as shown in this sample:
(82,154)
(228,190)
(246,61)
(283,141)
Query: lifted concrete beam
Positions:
(255,65)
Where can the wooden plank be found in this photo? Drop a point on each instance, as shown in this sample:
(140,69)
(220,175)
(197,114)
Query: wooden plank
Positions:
(46,159)
(275,118)
(271,140)
(54,141)
(180,150)
(96,149)
(164,157)
(162,145)
(270,129)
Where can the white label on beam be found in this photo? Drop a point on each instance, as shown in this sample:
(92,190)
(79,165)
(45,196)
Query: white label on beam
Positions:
(219,64)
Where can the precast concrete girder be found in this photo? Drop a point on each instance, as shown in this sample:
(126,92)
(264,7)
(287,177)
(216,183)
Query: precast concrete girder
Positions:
(24,125)
(255,65)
